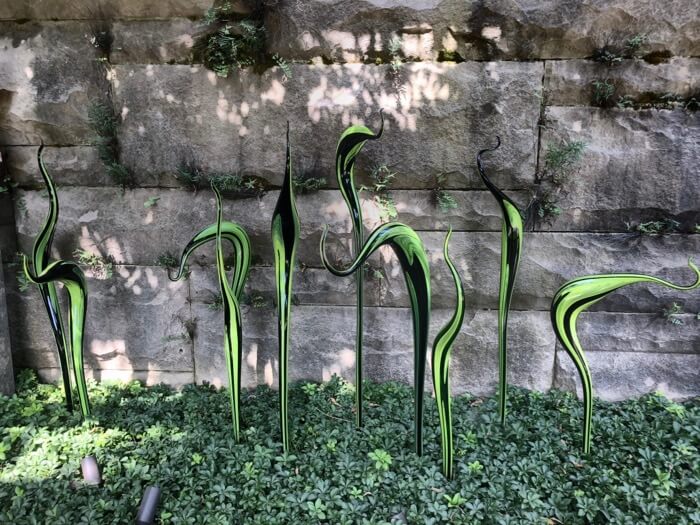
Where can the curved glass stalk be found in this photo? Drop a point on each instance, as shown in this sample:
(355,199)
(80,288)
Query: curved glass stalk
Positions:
(230,294)
(232,319)
(442,347)
(41,255)
(576,296)
(349,146)
(70,274)
(414,262)
(240,243)
(285,236)
(511,245)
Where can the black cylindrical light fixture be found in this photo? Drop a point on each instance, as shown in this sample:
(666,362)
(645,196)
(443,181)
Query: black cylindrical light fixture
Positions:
(90,470)
(149,505)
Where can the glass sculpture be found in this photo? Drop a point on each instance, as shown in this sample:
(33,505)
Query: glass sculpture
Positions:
(576,296)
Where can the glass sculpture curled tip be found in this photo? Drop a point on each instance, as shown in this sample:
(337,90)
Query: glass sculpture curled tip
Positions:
(285,237)
(237,237)
(511,247)
(411,253)
(576,296)
(442,347)
(72,277)
(349,147)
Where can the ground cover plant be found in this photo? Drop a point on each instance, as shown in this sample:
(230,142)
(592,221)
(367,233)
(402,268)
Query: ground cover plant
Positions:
(644,468)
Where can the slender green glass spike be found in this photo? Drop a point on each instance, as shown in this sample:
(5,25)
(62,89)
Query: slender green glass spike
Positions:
(70,274)
(285,237)
(414,262)
(41,255)
(349,146)
(576,296)
(232,318)
(230,293)
(511,245)
(441,367)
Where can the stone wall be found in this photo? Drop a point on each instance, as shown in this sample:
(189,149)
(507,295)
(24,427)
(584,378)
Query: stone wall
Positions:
(468,72)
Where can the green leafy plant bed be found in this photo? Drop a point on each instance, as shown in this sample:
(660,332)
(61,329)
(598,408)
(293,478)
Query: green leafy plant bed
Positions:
(644,467)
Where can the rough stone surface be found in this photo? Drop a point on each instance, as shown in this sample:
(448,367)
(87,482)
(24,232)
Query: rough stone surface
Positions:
(570,82)
(622,375)
(7,378)
(90,9)
(637,333)
(68,166)
(176,113)
(148,377)
(638,166)
(48,81)
(630,355)
(154,41)
(493,29)
(150,334)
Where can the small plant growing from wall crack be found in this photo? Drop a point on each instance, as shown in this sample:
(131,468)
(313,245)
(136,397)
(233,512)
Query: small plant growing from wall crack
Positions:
(233,41)
(307,184)
(655,228)
(613,53)
(255,300)
(634,43)
(151,202)
(560,162)
(239,185)
(603,91)
(382,177)
(561,159)
(102,267)
(216,303)
(672,314)
(444,200)
(189,175)
(167,260)
(23,283)
(395,53)
(104,123)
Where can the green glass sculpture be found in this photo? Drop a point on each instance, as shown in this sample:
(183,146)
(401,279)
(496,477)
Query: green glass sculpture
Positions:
(45,274)
(230,293)
(285,237)
(414,262)
(349,146)
(442,347)
(576,296)
(511,245)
